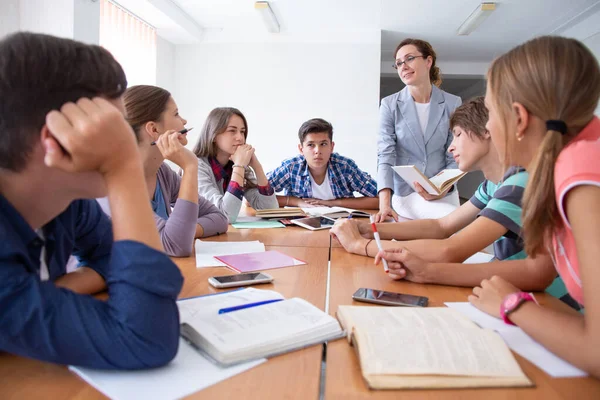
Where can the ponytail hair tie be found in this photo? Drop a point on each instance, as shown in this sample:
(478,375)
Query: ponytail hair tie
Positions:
(556,125)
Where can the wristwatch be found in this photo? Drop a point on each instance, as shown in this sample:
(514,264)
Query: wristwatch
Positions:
(512,302)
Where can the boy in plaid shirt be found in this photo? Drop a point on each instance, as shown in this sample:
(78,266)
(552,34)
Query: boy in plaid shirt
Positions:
(320,177)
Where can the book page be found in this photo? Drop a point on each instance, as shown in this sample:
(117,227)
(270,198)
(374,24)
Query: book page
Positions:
(445,177)
(432,341)
(520,342)
(211,304)
(324,210)
(411,174)
(263,327)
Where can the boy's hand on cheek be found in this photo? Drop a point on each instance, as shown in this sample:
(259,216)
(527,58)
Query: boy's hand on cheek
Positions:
(90,135)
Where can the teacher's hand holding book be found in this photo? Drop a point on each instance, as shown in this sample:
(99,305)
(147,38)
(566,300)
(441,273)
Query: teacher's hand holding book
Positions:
(427,196)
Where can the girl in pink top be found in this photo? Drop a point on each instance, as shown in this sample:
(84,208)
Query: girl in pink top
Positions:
(541,98)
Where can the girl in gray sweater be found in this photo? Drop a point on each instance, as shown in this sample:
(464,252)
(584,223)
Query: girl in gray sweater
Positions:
(228,169)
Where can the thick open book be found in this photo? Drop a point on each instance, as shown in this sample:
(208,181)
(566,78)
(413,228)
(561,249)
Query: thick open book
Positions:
(255,332)
(435,185)
(427,348)
(284,212)
(335,212)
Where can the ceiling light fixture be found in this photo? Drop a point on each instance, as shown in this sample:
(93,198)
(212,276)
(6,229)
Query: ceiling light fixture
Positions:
(476,18)
(268,16)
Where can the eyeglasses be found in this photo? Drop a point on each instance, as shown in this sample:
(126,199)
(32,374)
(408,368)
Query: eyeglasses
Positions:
(409,61)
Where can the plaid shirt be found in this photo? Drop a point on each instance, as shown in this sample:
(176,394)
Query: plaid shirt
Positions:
(345,178)
(231,186)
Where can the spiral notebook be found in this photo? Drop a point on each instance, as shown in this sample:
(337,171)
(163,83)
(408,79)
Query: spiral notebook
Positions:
(259,261)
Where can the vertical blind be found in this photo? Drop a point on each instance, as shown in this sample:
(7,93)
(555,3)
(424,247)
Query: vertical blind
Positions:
(131,41)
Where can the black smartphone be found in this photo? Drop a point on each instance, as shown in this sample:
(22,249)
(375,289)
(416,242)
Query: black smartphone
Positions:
(389,298)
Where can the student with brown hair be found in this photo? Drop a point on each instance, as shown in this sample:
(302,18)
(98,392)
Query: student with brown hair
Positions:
(492,216)
(63,138)
(320,177)
(153,114)
(414,130)
(228,168)
(541,98)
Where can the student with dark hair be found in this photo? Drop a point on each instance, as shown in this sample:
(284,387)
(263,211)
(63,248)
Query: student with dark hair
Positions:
(154,116)
(63,138)
(320,177)
(228,168)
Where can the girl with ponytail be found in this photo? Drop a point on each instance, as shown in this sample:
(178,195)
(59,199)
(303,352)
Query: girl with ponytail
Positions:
(541,98)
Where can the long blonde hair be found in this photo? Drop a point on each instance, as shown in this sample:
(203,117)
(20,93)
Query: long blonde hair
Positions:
(554,78)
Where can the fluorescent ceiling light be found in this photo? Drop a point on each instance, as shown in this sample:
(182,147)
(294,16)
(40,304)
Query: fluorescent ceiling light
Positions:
(476,18)
(268,16)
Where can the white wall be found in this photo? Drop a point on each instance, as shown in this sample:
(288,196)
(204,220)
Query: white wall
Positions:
(587,30)
(9,17)
(165,64)
(52,17)
(279,85)
(86,21)
(593,43)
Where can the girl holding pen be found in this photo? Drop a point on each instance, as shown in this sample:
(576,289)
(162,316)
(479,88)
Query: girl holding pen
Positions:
(179,212)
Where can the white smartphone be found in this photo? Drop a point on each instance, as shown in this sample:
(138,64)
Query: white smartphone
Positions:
(389,298)
(251,278)
(314,223)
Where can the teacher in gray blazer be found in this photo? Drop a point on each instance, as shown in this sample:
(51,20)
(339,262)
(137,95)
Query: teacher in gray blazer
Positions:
(414,130)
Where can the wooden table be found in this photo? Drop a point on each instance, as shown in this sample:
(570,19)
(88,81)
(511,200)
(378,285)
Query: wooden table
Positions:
(289,376)
(296,375)
(289,236)
(343,375)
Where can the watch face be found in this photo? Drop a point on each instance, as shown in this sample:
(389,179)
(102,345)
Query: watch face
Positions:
(511,301)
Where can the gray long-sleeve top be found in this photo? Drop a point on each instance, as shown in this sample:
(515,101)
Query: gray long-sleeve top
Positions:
(178,231)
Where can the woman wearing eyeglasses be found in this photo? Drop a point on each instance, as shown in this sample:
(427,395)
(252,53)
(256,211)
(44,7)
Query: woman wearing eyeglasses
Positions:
(414,130)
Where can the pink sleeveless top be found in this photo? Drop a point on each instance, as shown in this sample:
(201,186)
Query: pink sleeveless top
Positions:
(577,164)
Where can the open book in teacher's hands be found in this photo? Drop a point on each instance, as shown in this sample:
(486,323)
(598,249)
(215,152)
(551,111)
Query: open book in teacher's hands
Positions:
(436,185)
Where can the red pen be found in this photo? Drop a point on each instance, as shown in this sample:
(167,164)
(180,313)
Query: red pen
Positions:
(183,132)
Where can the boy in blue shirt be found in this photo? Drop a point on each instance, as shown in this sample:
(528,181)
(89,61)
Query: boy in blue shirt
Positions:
(319,177)
(63,138)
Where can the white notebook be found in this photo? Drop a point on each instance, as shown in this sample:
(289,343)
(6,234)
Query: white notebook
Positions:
(335,212)
(255,332)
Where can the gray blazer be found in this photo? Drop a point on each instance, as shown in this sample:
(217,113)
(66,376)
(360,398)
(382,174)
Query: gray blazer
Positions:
(401,141)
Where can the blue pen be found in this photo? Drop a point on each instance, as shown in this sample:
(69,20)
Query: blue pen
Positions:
(249,305)
(349,216)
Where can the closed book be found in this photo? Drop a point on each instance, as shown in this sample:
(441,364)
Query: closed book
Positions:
(254,332)
(427,348)
(435,185)
(284,212)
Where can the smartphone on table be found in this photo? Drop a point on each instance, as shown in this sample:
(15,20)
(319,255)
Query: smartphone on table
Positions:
(251,278)
(314,223)
(389,298)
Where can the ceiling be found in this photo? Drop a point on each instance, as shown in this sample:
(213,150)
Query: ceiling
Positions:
(293,15)
(390,21)
(513,22)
